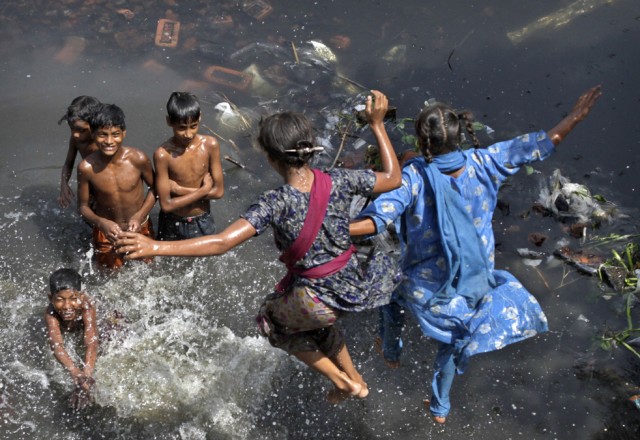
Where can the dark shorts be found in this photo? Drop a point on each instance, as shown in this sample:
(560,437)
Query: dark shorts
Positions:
(173,227)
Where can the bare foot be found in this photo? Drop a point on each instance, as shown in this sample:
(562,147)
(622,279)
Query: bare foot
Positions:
(438,419)
(354,389)
(378,346)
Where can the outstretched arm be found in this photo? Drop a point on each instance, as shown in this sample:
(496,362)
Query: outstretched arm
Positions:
(139,246)
(363,226)
(390,176)
(91,341)
(580,111)
(56,342)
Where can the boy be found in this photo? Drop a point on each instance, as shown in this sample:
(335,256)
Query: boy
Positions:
(114,176)
(188,173)
(71,310)
(80,141)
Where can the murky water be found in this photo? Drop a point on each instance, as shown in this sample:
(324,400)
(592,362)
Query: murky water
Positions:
(185,361)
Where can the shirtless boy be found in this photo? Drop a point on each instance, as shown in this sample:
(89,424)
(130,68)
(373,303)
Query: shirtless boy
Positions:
(71,310)
(114,176)
(188,173)
(77,117)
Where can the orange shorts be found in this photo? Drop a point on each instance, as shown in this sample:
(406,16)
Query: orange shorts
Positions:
(106,254)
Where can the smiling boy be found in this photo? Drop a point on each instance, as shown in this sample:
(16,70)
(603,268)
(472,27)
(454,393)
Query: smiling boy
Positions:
(188,173)
(71,310)
(114,176)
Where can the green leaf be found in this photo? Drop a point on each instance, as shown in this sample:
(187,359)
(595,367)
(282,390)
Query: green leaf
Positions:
(529,170)
(600,198)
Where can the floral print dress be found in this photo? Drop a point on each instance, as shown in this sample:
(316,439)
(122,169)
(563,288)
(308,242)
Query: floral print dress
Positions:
(354,288)
(506,314)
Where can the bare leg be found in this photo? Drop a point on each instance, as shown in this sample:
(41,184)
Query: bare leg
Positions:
(343,360)
(325,366)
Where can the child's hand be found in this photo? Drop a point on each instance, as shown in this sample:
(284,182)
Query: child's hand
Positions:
(207,182)
(377,106)
(66,196)
(134,225)
(111,229)
(135,245)
(585,102)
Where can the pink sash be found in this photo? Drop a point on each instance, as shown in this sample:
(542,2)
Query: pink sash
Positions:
(318,203)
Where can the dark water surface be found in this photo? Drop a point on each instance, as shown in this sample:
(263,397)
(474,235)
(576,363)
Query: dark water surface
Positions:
(186,362)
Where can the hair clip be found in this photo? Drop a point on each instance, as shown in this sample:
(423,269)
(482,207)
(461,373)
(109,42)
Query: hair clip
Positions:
(305,150)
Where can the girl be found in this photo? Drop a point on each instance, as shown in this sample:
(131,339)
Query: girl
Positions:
(310,218)
(442,213)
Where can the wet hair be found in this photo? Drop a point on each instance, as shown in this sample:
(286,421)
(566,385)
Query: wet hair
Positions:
(107,115)
(80,109)
(183,107)
(439,129)
(287,138)
(63,279)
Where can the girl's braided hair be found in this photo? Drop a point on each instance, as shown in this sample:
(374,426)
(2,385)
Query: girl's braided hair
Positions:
(439,127)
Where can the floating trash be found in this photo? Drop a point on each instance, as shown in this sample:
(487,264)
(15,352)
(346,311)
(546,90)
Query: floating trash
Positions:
(573,201)
(228,77)
(585,263)
(557,19)
(167,33)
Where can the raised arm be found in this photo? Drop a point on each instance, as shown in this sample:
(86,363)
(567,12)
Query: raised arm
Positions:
(139,246)
(580,111)
(390,176)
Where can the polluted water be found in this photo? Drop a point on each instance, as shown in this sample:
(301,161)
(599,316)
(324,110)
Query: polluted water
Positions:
(180,354)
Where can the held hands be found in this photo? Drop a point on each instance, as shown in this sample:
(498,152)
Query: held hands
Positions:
(111,229)
(135,245)
(376,107)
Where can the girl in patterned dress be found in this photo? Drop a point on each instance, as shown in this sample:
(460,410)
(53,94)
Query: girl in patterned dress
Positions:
(442,213)
(309,215)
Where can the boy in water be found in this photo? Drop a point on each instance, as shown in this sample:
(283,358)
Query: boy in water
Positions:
(71,310)
(80,141)
(114,176)
(188,173)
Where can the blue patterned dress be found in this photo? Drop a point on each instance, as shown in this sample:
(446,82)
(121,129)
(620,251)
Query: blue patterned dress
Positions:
(507,313)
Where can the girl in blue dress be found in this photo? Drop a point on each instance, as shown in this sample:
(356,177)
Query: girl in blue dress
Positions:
(442,214)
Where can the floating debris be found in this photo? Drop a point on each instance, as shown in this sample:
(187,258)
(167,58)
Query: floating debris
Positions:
(167,33)
(528,253)
(585,263)
(573,201)
(228,77)
(557,19)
